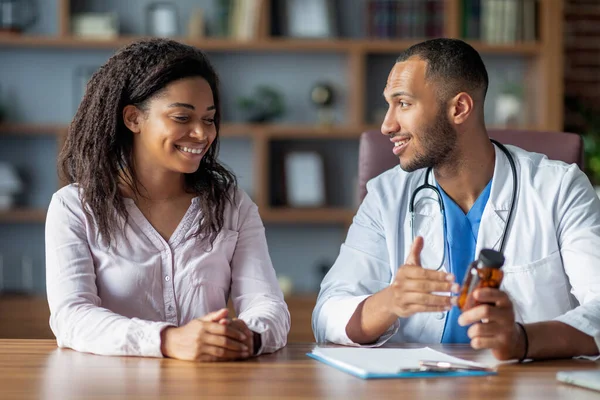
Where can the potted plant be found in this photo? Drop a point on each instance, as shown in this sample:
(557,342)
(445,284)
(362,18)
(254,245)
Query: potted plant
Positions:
(586,121)
(265,105)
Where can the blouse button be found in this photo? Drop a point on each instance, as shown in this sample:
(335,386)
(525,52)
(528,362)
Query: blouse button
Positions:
(440,315)
(167,278)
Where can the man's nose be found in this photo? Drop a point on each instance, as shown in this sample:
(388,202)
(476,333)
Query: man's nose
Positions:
(390,124)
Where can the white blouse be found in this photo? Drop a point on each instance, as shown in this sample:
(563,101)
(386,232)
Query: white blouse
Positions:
(117,300)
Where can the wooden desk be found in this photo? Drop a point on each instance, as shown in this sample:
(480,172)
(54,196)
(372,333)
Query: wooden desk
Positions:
(36,369)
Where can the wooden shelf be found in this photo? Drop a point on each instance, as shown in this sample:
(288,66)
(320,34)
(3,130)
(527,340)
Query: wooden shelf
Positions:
(209,44)
(280,131)
(396,46)
(23,215)
(10,129)
(285,131)
(273,44)
(308,215)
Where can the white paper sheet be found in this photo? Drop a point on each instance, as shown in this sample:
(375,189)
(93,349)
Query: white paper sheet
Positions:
(384,360)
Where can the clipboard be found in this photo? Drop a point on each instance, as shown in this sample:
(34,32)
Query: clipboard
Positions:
(386,363)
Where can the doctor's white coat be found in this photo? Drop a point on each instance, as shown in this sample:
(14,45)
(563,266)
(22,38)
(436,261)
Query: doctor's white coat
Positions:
(552,269)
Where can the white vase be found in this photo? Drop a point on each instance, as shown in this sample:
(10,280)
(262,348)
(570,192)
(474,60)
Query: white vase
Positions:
(508,111)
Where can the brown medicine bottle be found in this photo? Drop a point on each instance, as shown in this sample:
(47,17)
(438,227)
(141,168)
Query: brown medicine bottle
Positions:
(483,272)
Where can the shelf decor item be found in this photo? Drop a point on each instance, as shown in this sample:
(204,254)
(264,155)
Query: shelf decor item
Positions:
(10,185)
(264,105)
(508,111)
(162,19)
(304,173)
(95,25)
(17,16)
(310,19)
(322,96)
(196,25)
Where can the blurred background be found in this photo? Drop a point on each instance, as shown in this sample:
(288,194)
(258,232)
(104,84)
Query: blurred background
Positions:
(300,80)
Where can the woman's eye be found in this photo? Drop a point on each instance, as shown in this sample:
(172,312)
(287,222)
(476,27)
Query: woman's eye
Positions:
(181,118)
(209,121)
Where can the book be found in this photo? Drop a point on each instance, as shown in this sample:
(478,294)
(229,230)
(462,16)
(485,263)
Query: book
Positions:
(372,363)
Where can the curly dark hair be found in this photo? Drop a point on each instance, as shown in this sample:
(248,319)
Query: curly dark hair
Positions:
(98,147)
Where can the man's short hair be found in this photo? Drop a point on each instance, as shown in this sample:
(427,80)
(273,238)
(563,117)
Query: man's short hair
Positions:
(453,64)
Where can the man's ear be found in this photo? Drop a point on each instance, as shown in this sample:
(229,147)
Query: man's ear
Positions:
(132,117)
(461,107)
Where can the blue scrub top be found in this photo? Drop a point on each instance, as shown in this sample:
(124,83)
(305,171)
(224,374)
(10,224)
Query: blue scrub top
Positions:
(461,241)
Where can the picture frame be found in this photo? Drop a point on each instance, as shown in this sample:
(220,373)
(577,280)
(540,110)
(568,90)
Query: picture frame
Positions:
(304,179)
(310,18)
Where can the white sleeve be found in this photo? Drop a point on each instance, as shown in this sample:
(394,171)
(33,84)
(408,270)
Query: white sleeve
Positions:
(76,316)
(578,230)
(255,291)
(361,270)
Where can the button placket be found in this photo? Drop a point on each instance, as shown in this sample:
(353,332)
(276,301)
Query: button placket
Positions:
(168,287)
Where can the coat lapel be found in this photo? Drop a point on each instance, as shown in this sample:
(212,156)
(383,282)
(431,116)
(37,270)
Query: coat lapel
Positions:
(495,214)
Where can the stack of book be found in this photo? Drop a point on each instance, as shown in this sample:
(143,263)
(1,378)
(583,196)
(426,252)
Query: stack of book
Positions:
(238,19)
(499,21)
(401,19)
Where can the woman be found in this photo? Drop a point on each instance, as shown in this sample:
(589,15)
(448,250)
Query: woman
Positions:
(152,236)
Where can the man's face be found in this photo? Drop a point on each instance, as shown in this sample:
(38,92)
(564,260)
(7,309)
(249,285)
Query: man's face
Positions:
(416,120)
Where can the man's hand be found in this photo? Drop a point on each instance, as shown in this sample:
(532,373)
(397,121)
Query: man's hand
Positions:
(494,325)
(205,339)
(413,286)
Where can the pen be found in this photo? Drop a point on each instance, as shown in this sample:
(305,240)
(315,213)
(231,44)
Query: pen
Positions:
(428,365)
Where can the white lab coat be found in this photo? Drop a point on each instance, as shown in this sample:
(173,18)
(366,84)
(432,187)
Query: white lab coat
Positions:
(552,268)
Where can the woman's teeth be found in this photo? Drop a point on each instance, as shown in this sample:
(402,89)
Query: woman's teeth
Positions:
(190,150)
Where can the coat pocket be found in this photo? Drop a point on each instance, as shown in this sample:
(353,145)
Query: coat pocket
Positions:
(539,290)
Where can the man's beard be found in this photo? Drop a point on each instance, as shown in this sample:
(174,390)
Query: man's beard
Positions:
(438,142)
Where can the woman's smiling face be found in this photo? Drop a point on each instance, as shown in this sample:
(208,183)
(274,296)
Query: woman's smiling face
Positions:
(176,127)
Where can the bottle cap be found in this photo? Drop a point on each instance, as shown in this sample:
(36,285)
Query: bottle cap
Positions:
(491,258)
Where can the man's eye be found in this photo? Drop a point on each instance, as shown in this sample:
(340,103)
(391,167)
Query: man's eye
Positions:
(403,104)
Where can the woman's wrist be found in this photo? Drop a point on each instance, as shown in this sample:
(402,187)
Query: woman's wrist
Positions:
(164,340)
(257,342)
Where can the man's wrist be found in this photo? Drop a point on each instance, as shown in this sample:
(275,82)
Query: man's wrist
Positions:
(522,348)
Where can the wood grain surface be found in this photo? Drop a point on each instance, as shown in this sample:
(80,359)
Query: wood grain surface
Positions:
(37,369)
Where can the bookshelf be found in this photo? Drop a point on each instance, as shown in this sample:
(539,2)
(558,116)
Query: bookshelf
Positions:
(543,91)
(543,98)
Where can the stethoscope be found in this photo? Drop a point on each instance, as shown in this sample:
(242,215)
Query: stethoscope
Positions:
(426,185)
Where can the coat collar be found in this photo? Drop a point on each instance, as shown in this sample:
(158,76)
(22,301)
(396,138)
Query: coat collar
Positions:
(429,223)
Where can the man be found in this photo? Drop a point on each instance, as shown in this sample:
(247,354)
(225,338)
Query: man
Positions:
(384,285)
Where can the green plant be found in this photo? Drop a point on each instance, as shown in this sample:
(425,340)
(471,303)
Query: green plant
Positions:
(264,105)
(586,121)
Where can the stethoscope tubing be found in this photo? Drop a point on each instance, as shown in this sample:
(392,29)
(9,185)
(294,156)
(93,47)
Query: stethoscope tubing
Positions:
(426,185)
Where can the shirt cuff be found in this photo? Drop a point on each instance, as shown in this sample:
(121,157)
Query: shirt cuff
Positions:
(150,345)
(337,312)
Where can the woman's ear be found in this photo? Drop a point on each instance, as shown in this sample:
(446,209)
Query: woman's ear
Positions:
(132,117)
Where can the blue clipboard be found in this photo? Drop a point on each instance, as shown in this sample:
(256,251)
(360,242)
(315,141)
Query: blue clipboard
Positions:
(401,374)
